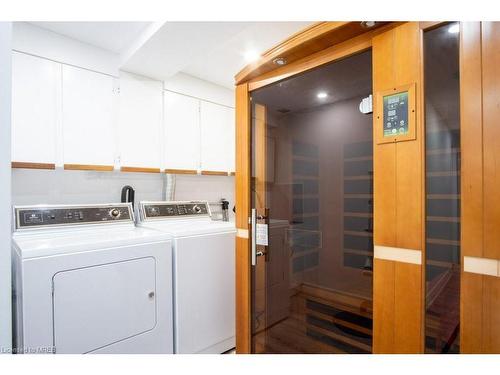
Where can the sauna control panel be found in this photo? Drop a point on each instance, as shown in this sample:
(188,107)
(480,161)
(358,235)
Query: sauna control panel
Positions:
(396,114)
(53,216)
(395,111)
(158,210)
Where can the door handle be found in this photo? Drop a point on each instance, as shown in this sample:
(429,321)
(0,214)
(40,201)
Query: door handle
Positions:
(253,222)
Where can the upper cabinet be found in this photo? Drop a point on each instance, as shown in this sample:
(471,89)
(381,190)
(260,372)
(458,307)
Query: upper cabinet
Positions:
(88,118)
(140,130)
(36,105)
(217,137)
(73,117)
(182,132)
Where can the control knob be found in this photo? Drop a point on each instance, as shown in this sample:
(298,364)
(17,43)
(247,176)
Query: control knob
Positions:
(115,213)
(197,209)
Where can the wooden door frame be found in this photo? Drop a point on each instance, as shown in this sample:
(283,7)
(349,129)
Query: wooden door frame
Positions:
(254,77)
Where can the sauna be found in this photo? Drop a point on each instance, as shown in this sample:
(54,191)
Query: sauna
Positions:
(366,200)
(313,180)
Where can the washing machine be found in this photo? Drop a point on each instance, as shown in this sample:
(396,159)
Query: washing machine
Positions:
(203,253)
(86,280)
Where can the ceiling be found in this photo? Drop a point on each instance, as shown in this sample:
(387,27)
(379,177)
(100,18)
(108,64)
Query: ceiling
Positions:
(213,51)
(111,36)
(340,80)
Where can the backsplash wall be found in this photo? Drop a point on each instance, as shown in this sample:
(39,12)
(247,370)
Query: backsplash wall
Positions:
(31,186)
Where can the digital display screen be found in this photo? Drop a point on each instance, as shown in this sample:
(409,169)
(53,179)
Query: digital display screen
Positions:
(396,114)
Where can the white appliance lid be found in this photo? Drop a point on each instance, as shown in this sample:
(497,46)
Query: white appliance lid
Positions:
(192,227)
(37,244)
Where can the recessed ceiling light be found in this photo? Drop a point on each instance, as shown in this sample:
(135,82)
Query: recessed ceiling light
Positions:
(322,95)
(453,29)
(251,55)
(367,24)
(279,61)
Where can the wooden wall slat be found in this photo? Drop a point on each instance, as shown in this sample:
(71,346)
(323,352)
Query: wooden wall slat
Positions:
(490,32)
(471,313)
(383,313)
(409,154)
(242,199)
(408,315)
(480,174)
(384,157)
(471,137)
(398,200)
(242,183)
(243,306)
(491,314)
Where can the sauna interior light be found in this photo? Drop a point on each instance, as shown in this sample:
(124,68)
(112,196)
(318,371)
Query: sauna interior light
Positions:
(367,24)
(453,29)
(251,55)
(322,95)
(279,61)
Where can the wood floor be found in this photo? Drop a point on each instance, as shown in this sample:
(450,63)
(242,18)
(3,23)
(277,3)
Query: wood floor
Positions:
(320,321)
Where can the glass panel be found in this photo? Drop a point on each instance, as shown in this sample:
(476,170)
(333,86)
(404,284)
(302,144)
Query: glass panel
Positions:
(442,121)
(312,179)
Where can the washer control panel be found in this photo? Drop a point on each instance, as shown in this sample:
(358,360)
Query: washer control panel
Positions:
(48,216)
(152,210)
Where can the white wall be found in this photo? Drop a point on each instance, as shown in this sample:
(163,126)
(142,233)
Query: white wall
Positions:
(188,85)
(5,210)
(31,186)
(36,41)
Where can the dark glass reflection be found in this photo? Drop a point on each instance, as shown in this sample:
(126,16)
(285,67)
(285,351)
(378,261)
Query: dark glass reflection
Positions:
(442,121)
(312,293)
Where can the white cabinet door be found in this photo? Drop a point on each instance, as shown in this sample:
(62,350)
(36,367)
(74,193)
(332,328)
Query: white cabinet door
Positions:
(140,121)
(36,101)
(103,304)
(217,137)
(232,140)
(182,131)
(88,117)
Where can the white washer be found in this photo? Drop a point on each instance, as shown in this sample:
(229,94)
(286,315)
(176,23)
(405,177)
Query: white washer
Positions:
(86,280)
(203,272)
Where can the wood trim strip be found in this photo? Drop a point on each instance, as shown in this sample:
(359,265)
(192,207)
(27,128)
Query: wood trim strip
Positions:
(29,165)
(215,173)
(181,171)
(490,47)
(397,254)
(341,50)
(140,169)
(242,199)
(295,40)
(429,25)
(305,45)
(88,167)
(471,211)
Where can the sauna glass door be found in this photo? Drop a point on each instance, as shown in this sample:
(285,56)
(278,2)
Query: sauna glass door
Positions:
(312,212)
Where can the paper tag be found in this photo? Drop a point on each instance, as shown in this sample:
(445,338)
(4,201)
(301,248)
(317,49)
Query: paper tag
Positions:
(261,234)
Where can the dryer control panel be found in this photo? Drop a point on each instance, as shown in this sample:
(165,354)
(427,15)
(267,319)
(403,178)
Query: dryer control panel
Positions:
(160,210)
(52,216)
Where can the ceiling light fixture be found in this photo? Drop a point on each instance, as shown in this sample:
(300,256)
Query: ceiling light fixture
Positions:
(279,61)
(368,24)
(251,56)
(453,29)
(322,95)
